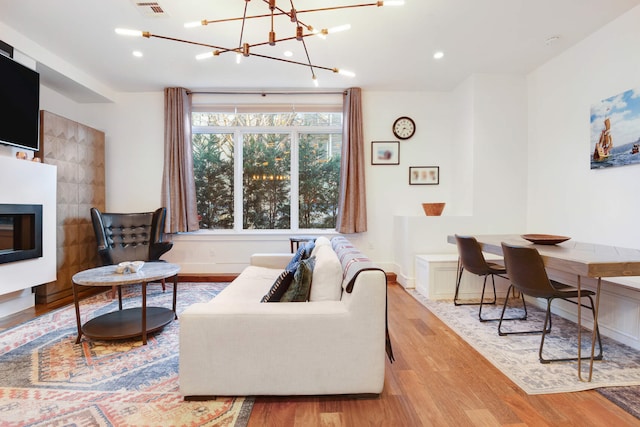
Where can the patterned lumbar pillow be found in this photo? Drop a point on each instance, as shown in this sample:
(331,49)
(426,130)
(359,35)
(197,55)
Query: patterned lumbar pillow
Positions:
(279,287)
(300,287)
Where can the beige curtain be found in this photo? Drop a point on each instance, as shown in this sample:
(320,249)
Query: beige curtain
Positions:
(178,184)
(352,204)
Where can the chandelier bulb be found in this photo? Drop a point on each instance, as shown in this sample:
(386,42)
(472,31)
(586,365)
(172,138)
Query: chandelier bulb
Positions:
(132,33)
(315,80)
(339,28)
(195,24)
(205,55)
(344,72)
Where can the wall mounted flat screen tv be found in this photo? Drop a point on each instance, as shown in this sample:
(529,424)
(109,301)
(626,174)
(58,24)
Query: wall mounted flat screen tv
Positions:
(19,104)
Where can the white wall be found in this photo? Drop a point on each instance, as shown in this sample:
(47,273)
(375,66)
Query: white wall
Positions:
(486,156)
(135,152)
(565,196)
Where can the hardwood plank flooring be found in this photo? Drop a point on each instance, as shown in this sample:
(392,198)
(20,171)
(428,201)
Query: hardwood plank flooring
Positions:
(437,380)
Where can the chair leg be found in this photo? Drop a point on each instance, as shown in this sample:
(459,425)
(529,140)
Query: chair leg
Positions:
(569,359)
(459,280)
(524,317)
(495,298)
(501,318)
(164,286)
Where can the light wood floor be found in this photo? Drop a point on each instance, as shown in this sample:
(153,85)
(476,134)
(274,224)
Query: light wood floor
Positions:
(436,380)
(439,380)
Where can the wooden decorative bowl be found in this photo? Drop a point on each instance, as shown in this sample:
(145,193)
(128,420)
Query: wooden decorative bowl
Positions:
(433,209)
(545,239)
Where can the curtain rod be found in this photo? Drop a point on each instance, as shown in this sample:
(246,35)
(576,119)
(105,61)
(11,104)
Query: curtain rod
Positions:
(265,93)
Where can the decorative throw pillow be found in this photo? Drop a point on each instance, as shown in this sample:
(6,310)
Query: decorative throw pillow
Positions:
(308,248)
(300,287)
(279,287)
(293,264)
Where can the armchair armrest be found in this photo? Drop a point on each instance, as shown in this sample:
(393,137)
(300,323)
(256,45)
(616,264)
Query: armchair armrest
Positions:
(156,250)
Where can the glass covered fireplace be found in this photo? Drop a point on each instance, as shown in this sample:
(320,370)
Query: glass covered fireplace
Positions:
(20,232)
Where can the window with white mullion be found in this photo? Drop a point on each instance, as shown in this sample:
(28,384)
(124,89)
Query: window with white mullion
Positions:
(295,188)
(237,182)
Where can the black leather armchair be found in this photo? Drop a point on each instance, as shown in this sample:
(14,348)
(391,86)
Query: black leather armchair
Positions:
(130,236)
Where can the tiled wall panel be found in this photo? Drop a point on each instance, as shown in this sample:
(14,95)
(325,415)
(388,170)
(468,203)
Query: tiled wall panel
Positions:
(78,152)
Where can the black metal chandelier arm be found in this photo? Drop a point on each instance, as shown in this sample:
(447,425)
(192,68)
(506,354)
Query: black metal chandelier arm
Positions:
(148,35)
(292,14)
(285,39)
(335,70)
(244,19)
(266,15)
(322,9)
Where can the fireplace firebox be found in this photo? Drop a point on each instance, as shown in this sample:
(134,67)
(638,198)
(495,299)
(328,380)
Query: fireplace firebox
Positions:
(20,232)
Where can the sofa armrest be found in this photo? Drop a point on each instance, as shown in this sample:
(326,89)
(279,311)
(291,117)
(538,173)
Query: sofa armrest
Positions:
(272,260)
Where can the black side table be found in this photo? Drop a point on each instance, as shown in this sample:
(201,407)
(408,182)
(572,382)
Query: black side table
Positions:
(296,240)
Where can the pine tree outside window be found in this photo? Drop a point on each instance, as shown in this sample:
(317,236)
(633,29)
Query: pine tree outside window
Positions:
(266,170)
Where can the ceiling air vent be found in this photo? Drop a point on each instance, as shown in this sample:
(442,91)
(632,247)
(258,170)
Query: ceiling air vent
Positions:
(150,8)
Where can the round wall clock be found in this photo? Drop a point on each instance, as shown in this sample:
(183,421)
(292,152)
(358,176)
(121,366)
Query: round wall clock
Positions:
(404,128)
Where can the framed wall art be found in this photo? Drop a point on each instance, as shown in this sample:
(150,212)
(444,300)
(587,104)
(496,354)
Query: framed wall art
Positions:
(385,152)
(424,175)
(615,130)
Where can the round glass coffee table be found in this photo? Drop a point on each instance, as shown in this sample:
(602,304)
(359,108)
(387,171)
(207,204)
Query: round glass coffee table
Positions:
(130,322)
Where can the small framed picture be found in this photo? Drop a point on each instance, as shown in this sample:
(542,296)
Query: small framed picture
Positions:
(385,152)
(424,175)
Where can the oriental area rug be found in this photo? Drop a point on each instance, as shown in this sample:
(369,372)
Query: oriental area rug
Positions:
(48,380)
(516,356)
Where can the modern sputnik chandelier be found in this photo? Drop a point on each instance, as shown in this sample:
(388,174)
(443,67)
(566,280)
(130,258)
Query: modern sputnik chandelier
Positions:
(244,49)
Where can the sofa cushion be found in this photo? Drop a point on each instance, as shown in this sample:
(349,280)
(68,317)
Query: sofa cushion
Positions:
(300,287)
(327,275)
(279,287)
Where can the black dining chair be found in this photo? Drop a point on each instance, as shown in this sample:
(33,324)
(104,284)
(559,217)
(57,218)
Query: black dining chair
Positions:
(527,273)
(472,260)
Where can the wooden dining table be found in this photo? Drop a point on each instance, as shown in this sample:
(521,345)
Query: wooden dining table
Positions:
(578,259)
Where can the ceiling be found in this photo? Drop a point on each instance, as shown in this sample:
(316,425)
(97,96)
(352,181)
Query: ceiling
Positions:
(389,48)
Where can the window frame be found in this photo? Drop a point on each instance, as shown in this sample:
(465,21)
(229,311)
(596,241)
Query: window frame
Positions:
(294,135)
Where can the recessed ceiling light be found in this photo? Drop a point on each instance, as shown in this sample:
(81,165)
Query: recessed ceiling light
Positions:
(438,55)
(137,54)
(288,53)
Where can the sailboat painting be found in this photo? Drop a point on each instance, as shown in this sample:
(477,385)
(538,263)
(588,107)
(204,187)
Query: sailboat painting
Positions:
(615,130)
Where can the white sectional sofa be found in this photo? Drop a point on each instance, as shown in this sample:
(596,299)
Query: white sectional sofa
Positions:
(236,345)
